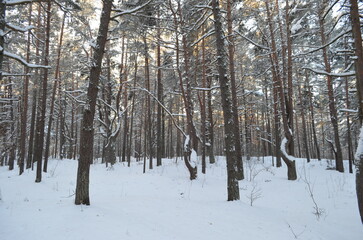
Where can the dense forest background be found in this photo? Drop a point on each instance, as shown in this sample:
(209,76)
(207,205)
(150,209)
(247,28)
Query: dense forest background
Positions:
(176,79)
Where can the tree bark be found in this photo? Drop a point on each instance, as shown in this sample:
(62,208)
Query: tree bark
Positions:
(240,174)
(39,136)
(354,13)
(291,168)
(24,113)
(332,108)
(87,131)
(56,79)
(159,135)
(230,144)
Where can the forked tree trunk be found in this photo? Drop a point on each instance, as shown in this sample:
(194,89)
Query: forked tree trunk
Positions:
(87,131)
(193,144)
(291,168)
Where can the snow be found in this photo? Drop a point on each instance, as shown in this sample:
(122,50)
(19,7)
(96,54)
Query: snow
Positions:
(21,60)
(163,204)
(359,151)
(20,29)
(348,110)
(296,27)
(16,2)
(186,143)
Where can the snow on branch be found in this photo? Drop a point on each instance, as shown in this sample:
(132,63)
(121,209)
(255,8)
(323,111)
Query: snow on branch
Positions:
(251,41)
(205,89)
(322,72)
(165,109)
(21,60)
(325,45)
(19,29)
(131,11)
(348,110)
(18,2)
(210,33)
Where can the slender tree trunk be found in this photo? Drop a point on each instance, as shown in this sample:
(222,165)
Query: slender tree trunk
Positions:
(39,137)
(210,124)
(305,135)
(203,108)
(192,144)
(289,100)
(87,131)
(240,174)
(332,108)
(313,125)
(230,144)
(11,129)
(148,125)
(354,13)
(56,79)
(24,113)
(291,168)
(159,137)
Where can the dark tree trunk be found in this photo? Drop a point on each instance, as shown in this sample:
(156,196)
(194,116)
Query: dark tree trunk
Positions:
(210,125)
(354,12)
(193,144)
(39,136)
(159,135)
(332,108)
(56,79)
(148,125)
(240,174)
(312,114)
(229,128)
(305,135)
(289,100)
(291,168)
(24,112)
(87,131)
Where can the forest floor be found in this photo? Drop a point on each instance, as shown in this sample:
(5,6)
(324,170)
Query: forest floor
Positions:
(163,204)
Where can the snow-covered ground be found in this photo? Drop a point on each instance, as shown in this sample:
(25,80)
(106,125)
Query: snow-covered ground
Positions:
(164,204)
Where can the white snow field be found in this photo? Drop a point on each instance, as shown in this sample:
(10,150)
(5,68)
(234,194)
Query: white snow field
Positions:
(163,204)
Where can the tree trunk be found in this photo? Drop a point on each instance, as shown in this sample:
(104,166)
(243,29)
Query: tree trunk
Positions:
(24,112)
(312,114)
(354,13)
(148,125)
(291,171)
(332,108)
(159,137)
(87,131)
(39,137)
(229,128)
(240,174)
(56,79)
(305,135)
